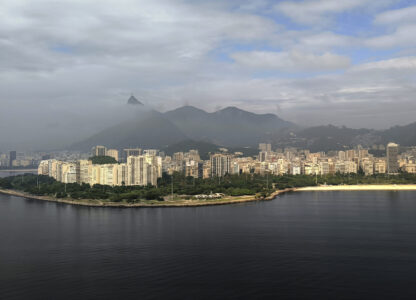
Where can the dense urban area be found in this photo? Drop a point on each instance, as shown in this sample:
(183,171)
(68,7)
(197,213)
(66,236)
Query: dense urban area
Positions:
(133,174)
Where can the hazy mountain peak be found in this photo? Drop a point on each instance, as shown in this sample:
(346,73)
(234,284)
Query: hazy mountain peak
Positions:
(230,126)
(231,109)
(186,109)
(133,100)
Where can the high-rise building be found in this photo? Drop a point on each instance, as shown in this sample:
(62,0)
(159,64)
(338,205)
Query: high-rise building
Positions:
(220,165)
(52,168)
(43,168)
(193,155)
(122,174)
(380,166)
(99,151)
(392,152)
(362,153)
(69,174)
(368,166)
(131,152)
(113,153)
(140,171)
(153,152)
(265,147)
(83,171)
(12,157)
(178,156)
(350,154)
(262,156)
(392,160)
(342,155)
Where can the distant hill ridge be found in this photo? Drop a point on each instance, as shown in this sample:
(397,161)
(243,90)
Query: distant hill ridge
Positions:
(233,127)
(230,127)
(330,137)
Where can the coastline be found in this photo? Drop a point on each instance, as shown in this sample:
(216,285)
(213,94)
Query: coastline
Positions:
(362,187)
(147,203)
(223,201)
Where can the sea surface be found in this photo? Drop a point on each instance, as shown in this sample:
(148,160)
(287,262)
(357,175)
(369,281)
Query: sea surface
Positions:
(308,245)
(15,173)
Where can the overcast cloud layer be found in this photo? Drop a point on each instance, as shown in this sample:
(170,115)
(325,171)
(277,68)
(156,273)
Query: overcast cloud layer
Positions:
(68,67)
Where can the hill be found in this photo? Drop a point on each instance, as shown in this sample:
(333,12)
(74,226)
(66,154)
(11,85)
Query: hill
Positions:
(230,127)
(325,138)
(403,135)
(148,129)
(189,127)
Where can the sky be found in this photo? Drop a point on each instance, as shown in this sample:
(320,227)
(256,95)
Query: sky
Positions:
(68,66)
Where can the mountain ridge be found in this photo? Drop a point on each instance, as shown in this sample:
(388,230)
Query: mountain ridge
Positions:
(230,127)
(234,127)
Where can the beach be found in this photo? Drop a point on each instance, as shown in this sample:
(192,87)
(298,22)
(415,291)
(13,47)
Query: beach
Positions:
(363,187)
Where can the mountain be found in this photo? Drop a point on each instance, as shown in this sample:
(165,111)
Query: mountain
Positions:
(229,127)
(403,135)
(326,138)
(149,129)
(233,128)
(133,101)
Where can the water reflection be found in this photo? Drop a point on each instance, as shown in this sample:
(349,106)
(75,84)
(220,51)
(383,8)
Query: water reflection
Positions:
(318,245)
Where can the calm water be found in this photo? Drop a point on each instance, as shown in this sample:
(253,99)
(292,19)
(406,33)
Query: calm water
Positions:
(15,173)
(315,245)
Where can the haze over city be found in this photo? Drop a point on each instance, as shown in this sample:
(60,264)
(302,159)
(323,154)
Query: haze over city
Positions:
(68,68)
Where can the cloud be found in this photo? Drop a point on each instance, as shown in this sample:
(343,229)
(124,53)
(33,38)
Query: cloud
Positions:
(397,16)
(400,25)
(400,64)
(74,63)
(403,36)
(321,12)
(293,61)
(325,40)
(130,34)
(377,94)
(316,12)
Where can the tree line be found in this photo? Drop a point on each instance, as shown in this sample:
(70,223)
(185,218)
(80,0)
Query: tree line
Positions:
(179,184)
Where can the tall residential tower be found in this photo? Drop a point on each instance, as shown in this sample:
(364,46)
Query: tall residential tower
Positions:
(392,160)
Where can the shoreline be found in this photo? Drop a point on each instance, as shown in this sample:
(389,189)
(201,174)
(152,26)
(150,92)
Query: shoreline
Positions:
(359,187)
(224,201)
(147,203)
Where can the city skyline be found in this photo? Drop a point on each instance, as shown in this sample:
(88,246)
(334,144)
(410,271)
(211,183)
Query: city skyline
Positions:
(142,167)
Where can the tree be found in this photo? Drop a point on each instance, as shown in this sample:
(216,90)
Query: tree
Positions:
(101,160)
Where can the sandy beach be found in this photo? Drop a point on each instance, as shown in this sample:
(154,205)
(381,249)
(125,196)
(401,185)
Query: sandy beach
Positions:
(363,187)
